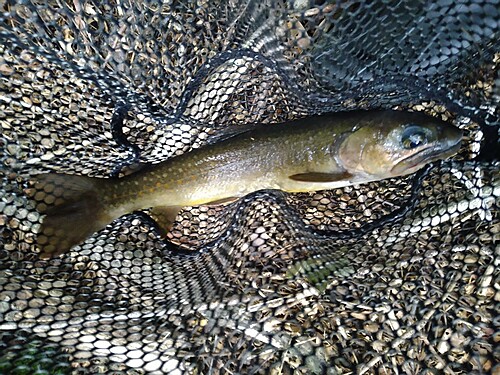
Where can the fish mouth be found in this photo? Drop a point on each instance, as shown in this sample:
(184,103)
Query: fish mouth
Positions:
(425,156)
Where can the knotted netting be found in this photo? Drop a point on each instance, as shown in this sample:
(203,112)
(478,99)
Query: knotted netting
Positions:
(390,277)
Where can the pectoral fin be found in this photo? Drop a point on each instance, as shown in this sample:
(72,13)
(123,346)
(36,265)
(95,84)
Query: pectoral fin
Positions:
(321,177)
(164,216)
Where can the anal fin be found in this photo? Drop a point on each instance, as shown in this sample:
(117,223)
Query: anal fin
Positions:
(223,201)
(164,216)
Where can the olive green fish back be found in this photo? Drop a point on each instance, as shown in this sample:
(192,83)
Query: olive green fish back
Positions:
(398,276)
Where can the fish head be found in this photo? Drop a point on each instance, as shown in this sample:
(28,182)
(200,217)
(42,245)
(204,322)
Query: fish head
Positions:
(390,144)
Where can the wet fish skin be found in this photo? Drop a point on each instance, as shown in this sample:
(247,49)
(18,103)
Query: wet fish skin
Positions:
(316,153)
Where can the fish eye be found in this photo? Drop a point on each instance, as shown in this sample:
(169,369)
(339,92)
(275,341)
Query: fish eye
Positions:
(413,136)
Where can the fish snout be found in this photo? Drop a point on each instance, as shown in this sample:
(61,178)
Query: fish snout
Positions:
(449,136)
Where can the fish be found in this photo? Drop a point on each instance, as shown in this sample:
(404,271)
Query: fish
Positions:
(316,153)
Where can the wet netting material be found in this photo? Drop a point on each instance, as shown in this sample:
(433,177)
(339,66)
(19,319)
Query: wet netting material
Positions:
(399,276)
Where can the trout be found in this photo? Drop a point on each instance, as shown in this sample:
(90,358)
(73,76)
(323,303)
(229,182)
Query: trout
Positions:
(315,153)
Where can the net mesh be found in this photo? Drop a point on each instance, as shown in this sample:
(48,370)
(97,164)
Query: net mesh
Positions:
(396,276)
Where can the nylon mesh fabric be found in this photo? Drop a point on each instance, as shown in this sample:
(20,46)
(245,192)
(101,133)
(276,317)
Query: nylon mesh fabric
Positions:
(391,277)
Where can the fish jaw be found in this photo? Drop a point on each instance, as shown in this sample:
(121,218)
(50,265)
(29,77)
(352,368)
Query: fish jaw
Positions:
(416,161)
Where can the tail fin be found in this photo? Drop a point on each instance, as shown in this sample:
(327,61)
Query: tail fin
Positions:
(73,210)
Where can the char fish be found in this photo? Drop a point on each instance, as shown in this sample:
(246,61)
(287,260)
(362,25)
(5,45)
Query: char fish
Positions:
(315,153)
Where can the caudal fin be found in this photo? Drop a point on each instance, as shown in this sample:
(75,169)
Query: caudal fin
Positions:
(72,209)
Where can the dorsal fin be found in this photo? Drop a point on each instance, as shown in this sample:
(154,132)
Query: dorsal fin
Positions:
(233,131)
